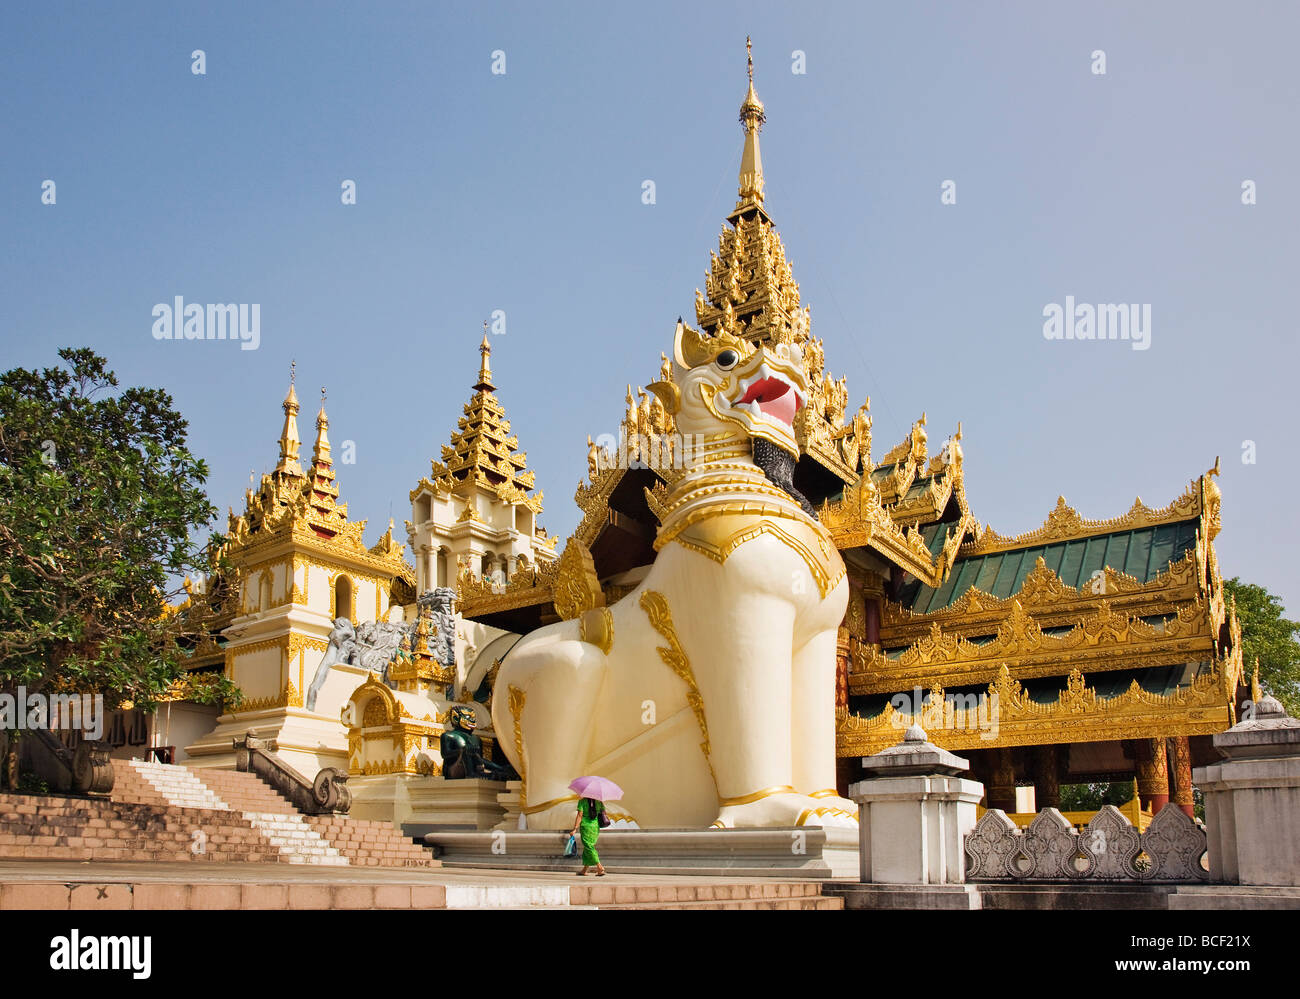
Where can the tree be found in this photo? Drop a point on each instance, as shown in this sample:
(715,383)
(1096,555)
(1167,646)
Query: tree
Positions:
(1269,637)
(1091,797)
(98,498)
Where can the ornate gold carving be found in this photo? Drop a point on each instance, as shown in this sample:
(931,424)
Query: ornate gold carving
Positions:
(812,813)
(576,587)
(857,520)
(301,511)
(550,803)
(477,596)
(375,714)
(517,697)
(483,453)
(766,792)
(819,565)
(596,626)
(1101,640)
(261,703)
(656,607)
(913,447)
(1065,523)
(1078,715)
(1044,593)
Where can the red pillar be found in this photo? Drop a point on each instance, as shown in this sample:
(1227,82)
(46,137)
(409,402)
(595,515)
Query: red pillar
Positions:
(1152,775)
(1180,773)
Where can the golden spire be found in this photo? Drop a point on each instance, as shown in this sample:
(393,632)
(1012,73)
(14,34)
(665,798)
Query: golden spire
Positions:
(752,117)
(289,439)
(482,449)
(321,452)
(324,489)
(484,383)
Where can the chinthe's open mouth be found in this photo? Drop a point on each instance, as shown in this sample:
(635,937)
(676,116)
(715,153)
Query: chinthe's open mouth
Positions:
(772,397)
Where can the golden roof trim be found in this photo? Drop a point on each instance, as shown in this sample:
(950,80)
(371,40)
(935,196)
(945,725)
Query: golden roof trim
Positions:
(1043,589)
(476,597)
(1020,643)
(1078,715)
(858,520)
(1064,523)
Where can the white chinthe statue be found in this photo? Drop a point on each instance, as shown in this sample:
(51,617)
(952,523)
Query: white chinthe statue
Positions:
(707,692)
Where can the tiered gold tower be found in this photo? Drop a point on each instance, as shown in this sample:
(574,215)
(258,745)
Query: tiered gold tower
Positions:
(293,563)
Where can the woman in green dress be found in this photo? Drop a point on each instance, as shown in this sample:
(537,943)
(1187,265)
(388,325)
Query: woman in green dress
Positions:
(587,825)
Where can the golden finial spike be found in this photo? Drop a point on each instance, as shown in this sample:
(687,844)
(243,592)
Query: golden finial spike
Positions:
(292,370)
(289,439)
(752,117)
(484,383)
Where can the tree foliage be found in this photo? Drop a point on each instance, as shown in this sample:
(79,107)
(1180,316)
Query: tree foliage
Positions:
(99,497)
(1091,797)
(1269,637)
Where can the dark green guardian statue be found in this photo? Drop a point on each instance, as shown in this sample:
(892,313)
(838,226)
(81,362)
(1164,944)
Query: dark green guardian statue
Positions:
(462,750)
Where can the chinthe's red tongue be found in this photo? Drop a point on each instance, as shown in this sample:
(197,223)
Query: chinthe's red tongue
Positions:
(774,398)
(781,408)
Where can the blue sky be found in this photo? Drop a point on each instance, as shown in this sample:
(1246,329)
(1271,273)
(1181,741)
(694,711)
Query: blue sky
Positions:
(522,192)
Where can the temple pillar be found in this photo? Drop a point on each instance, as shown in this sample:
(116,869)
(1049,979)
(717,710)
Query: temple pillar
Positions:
(1180,773)
(1002,786)
(842,669)
(1047,777)
(442,565)
(1152,774)
(873,621)
(429,575)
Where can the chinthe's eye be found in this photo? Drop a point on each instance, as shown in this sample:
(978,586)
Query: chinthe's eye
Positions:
(726,360)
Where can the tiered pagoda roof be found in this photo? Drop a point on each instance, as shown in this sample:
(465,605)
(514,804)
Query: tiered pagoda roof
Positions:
(1130,611)
(482,451)
(750,292)
(290,511)
(302,507)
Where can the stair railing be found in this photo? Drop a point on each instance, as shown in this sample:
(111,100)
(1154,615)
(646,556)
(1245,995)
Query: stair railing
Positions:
(84,770)
(326,795)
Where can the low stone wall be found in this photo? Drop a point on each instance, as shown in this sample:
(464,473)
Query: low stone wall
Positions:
(1171,850)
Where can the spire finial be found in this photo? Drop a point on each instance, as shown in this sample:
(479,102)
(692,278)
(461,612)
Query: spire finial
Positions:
(752,117)
(484,383)
(293,365)
(321,459)
(289,440)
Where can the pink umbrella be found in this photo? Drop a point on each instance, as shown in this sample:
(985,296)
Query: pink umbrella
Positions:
(600,788)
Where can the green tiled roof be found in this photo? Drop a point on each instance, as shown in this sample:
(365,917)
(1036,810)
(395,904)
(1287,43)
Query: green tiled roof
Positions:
(1141,553)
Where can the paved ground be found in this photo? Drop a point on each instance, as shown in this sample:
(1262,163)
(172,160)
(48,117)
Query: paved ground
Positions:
(66,885)
(114,872)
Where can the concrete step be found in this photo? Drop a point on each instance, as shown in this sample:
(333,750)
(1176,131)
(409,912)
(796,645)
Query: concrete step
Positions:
(830,904)
(328,839)
(178,786)
(296,840)
(691,893)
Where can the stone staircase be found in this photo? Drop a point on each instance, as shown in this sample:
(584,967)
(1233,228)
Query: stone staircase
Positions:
(165,813)
(258,805)
(334,840)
